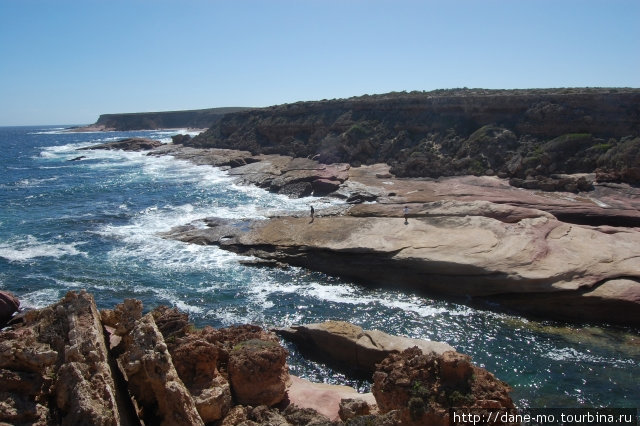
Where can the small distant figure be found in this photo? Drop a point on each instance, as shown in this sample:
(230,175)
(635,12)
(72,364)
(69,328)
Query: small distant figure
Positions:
(312,214)
(406,214)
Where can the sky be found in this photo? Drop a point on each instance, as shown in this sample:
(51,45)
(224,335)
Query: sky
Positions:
(66,62)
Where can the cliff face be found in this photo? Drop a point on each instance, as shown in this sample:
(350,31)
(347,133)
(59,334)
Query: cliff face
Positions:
(515,133)
(200,119)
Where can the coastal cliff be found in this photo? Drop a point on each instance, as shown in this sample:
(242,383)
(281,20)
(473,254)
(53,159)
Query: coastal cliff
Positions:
(510,133)
(195,119)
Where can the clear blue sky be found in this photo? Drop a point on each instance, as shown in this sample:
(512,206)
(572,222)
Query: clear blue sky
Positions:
(66,62)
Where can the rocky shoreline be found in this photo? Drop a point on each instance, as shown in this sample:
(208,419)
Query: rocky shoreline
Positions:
(558,255)
(69,363)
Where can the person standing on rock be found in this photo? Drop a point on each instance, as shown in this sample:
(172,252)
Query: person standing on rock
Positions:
(312,213)
(406,214)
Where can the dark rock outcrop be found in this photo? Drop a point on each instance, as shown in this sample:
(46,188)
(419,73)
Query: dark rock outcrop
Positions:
(9,305)
(130,144)
(513,133)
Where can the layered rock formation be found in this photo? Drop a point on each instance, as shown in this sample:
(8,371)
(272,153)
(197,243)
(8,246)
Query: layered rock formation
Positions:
(512,133)
(524,258)
(196,119)
(56,367)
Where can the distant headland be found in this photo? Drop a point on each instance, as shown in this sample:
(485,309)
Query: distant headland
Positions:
(195,118)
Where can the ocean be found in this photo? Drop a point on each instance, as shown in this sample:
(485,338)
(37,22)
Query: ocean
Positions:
(93,224)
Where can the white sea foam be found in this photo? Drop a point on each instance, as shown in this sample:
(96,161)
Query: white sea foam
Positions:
(170,296)
(574,355)
(264,288)
(28,183)
(141,234)
(40,298)
(64,151)
(29,247)
(52,131)
(142,241)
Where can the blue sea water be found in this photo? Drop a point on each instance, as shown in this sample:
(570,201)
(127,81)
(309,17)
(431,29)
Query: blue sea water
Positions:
(93,224)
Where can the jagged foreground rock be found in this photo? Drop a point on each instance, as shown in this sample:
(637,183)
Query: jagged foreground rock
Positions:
(56,368)
(422,387)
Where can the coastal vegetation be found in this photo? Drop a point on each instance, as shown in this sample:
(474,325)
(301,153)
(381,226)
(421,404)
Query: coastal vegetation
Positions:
(509,133)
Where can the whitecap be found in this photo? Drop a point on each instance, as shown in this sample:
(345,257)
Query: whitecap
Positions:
(574,355)
(29,247)
(40,298)
(52,131)
(62,151)
(171,297)
(33,182)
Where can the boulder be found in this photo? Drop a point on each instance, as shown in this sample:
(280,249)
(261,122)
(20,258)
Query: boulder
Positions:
(324,186)
(196,361)
(258,361)
(85,389)
(235,416)
(359,197)
(325,398)
(350,345)
(296,189)
(350,408)
(299,416)
(9,305)
(180,139)
(423,387)
(123,317)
